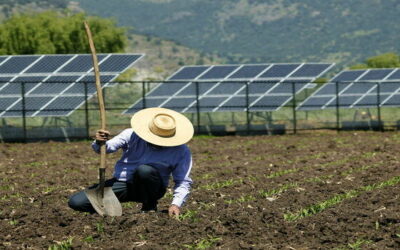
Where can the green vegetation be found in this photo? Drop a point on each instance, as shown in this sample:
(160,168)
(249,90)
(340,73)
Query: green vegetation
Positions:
(388,60)
(203,243)
(53,33)
(63,245)
(222,184)
(340,31)
(189,215)
(321,206)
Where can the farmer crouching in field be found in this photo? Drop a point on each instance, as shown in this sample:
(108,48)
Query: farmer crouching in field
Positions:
(152,150)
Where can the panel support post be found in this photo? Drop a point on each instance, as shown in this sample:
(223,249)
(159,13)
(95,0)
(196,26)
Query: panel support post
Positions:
(378,106)
(337,106)
(294,108)
(85,85)
(198,106)
(247,108)
(143,94)
(23,111)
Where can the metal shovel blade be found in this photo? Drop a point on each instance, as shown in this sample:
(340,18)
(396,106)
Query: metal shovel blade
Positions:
(107,204)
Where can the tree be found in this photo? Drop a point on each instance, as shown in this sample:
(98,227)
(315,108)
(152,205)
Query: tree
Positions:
(387,60)
(55,33)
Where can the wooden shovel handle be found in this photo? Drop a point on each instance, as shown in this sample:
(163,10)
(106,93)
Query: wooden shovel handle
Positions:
(99,93)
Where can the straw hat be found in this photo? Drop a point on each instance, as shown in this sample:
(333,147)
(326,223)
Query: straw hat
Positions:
(163,127)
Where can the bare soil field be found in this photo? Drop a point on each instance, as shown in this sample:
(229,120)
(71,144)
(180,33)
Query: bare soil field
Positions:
(308,191)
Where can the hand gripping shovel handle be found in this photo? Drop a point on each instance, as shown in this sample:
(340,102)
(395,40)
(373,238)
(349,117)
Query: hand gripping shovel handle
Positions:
(102,199)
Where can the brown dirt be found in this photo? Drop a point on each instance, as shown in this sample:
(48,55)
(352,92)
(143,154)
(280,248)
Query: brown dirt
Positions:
(227,209)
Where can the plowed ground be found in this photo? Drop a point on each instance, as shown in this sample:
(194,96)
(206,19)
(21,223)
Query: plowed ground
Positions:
(244,190)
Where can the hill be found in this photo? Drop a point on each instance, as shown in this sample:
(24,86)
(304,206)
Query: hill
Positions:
(163,57)
(340,31)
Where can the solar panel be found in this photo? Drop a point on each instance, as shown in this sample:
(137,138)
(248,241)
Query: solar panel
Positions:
(269,87)
(54,85)
(356,89)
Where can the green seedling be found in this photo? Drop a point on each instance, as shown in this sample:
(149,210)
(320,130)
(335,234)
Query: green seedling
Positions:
(282,172)
(358,244)
(189,215)
(319,207)
(221,184)
(13,222)
(269,193)
(89,239)
(63,245)
(203,243)
(99,227)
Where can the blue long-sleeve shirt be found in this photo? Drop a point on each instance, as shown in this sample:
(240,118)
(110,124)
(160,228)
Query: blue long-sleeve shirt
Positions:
(175,161)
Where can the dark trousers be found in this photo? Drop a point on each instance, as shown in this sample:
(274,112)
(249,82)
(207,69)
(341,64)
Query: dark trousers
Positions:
(147,187)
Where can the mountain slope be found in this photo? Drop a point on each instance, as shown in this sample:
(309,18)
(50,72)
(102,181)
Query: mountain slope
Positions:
(265,30)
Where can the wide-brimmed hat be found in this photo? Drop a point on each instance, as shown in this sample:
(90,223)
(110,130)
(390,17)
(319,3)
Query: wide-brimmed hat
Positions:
(162,127)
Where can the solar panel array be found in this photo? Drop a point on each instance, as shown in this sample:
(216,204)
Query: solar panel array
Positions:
(54,84)
(357,89)
(225,87)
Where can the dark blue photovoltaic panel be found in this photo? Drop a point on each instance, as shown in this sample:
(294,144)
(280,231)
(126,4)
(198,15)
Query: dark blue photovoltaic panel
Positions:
(2,58)
(148,103)
(4,79)
(227,88)
(189,73)
(287,88)
(237,103)
(348,76)
(315,102)
(62,106)
(68,79)
(310,70)
(376,74)
(344,101)
(393,101)
(179,103)
(359,88)
(30,79)
(259,88)
(49,63)
(49,88)
(190,90)
(81,63)
(5,102)
(389,87)
(270,102)
(15,88)
(118,62)
(79,88)
(32,104)
(395,75)
(218,72)
(330,88)
(91,78)
(370,101)
(248,71)
(167,89)
(16,64)
(207,104)
(279,71)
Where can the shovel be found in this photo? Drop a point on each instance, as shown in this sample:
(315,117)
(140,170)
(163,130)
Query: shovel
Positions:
(102,198)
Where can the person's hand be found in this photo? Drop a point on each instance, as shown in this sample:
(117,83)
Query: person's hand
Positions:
(174,211)
(102,136)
